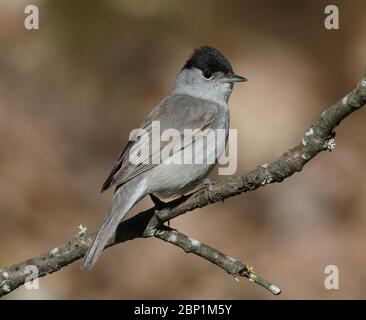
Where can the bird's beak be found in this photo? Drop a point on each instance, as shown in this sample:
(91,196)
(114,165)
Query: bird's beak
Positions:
(231,78)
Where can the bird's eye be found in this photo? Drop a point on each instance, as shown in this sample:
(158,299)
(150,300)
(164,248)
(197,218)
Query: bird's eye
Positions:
(207,74)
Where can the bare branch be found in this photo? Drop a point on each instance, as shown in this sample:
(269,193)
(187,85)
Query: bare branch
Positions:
(230,265)
(319,137)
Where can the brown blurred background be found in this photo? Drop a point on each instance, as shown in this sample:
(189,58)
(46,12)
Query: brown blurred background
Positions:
(71,92)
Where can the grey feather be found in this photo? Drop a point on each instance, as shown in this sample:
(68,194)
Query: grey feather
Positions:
(123,200)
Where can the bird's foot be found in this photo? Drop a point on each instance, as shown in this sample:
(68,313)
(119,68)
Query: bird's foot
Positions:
(158,205)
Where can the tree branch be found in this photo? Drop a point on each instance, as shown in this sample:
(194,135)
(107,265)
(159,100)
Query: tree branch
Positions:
(319,137)
(229,264)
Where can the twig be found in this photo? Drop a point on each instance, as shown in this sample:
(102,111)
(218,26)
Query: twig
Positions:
(229,264)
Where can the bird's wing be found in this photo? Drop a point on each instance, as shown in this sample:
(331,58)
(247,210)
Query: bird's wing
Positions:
(177,112)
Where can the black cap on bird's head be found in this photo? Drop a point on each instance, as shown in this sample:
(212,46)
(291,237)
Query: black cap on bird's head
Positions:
(210,61)
(206,58)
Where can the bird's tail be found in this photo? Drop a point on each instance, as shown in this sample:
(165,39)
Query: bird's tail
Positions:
(123,200)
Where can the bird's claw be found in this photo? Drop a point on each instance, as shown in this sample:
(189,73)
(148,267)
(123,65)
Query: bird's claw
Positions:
(158,205)
(157,202)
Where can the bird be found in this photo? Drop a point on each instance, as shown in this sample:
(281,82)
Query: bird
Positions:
(197,101)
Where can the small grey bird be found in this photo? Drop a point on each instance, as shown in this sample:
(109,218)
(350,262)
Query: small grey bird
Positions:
(199,100)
